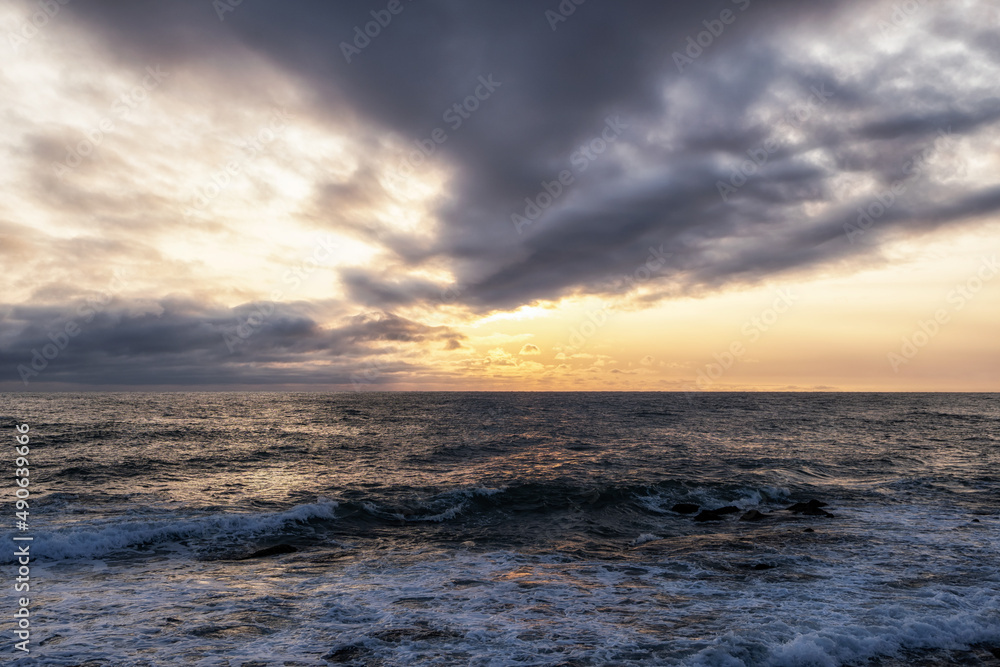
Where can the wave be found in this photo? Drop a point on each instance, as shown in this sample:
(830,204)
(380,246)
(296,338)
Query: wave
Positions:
(887,635)
(652,500)
(136,525)
(99,538)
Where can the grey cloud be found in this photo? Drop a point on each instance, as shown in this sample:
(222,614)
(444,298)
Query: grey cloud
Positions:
(660,184)
(174,341)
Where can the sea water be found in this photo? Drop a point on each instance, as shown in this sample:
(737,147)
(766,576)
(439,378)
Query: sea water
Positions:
(507,529)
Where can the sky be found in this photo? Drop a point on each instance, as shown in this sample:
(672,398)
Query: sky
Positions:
(467,195)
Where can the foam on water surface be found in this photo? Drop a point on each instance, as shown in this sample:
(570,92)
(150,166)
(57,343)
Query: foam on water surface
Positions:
(505,608)
(111,535)
(546,539)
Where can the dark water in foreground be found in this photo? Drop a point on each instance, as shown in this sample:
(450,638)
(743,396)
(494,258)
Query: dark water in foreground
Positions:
(511,529)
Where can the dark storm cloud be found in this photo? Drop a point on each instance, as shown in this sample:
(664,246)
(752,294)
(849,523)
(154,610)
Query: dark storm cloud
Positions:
(365,288)
(103,341)
(922,125)
(556,89)
(658,187)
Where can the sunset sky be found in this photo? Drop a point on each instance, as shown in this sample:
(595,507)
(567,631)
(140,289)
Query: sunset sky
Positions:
(505,195)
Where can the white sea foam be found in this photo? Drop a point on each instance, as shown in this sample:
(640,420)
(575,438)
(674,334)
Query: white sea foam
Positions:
(907,563)
(502,608)
(707,497)
(888,630)
(99,537)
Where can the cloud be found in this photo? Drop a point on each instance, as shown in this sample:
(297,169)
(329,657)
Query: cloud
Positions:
(529,350)
(499,357)
(182,342)
(746,162)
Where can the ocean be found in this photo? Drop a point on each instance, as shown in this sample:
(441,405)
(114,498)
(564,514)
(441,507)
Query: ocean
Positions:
(507,529)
